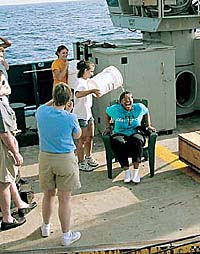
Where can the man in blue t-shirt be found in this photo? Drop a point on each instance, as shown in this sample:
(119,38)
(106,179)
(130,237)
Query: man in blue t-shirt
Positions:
(58,167)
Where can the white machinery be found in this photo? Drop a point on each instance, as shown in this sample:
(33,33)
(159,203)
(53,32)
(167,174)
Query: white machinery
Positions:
(163,67)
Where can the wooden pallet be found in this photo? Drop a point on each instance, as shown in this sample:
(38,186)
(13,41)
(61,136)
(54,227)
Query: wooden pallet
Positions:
(189,149)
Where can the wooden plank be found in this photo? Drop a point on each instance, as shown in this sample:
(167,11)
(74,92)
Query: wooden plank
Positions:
(190,165)
(189,149)
(192,137)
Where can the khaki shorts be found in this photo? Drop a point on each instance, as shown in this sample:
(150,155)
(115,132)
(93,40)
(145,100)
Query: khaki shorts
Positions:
(8,170)
(58,171)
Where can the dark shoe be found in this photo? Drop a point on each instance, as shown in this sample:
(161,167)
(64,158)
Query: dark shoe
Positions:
(14,224)
(23,211)
(17,132)
(22,181)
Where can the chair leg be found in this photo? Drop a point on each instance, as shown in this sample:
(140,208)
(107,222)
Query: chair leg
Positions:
(151,150)
(152,161)
(109,167)
(151,166)
(109,164)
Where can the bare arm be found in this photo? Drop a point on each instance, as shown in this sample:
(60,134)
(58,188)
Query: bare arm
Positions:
(6,43)
(108,126)
(6,65)
(77,135)
(80,94)
(69,107)
(10,141)
(149,123)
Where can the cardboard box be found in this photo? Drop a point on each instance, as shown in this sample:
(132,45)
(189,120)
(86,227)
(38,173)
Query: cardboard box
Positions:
(189,149)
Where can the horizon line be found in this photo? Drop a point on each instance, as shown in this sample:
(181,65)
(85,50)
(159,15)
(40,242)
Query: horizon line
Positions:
(19,2)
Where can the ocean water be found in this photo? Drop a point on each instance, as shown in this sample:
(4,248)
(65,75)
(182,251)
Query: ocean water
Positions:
(37,29)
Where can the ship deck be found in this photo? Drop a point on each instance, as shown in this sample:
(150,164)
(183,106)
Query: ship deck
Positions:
(110,212)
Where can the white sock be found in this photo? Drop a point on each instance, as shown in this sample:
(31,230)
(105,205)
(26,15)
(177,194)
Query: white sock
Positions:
(127,177)
(47,225)
(66,234)
(135,172)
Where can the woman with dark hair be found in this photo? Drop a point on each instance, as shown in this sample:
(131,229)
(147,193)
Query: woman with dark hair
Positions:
(82,108)
(60,66)
(125,139)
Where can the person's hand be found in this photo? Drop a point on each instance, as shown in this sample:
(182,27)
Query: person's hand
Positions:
(1,59)
(3,62)
(106,131)
(69,106)
(97,92)
(152,128)
(18,159)
(9,42)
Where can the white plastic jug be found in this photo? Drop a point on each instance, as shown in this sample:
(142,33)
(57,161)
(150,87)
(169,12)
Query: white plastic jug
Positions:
(72,73)
(107,80)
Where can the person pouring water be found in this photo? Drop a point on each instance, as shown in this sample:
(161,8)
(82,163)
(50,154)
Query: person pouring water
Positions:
(82,108)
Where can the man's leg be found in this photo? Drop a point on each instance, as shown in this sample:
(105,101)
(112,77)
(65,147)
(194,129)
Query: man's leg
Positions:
(19,203)
(119,146)
(89,139)
(48,202)
(80,146)
(64,211)
(5,199)
(89,145)
(48,205)
(8,221)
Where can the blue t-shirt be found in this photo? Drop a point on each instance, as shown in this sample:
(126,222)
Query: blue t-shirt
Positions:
(127,121)
(55,128)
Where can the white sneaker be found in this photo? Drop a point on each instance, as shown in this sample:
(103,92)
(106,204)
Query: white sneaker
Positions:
(71,238)
(84,166)
(136,179)
(127,177)
(91,161)
(45,230)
